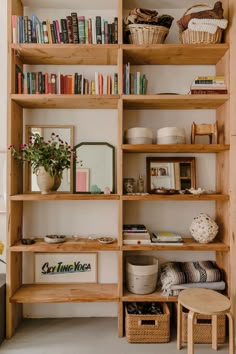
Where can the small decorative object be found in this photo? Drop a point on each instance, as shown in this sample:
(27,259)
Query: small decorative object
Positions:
(107,190)
(204,129)
(54,238)
(197,191)
(27,241)
(203,228)
(106,239)
(171,135)
(47,158)
(139,135)
(129,185)
(95,189)
(140,186)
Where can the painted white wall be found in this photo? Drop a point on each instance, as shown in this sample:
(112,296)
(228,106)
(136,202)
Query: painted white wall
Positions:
(99,217)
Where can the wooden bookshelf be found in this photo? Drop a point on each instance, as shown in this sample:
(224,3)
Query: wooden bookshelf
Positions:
(70,245)
(156,296)
(183,197)
(71,292)
(189,245)
(63,196)
(175,148)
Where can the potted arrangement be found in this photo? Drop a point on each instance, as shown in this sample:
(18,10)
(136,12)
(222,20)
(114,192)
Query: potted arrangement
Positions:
(48,159)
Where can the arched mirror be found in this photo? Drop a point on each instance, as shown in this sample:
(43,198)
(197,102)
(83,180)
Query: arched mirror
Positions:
(176,173)
(93,170)
(66,133)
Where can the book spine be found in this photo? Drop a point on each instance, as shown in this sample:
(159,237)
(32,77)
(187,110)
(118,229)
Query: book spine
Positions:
(115,84)
(75,32)
(90,34)
(53,83)
(45,32)
(57,28)
(221,78)
(208,92)
(106,32)
(33,34)
(14,29)
(116,30)
(86,32)
(98,30)
(69,28)
(30,30)
(49,32)
(53,33)
(64,31)
(26,37)
(209,82)
(81,25)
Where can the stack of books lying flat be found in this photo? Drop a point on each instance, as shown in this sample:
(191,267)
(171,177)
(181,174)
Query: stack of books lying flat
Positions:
(136,234)
(166,238)
(208,85)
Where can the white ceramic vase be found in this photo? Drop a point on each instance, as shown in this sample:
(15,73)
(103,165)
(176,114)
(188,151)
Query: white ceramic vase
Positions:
(44,180)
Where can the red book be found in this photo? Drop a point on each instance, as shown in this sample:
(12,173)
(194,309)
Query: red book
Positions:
(100,84)
(19,78)
(46,84)
(208,92)
(62,80)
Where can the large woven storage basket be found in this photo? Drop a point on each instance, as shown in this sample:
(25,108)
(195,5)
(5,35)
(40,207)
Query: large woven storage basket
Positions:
(147,34)
(199,37)
(148,328)
(202,329)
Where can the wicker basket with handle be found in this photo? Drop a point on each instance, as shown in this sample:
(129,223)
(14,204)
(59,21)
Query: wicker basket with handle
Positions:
(200,37)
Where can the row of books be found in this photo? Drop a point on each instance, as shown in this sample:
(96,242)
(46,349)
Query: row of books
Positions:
(72,29)
(134,82)
(45,83)
(209,85)
(137,234)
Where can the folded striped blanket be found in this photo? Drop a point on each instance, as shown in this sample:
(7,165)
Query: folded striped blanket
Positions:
(175,273)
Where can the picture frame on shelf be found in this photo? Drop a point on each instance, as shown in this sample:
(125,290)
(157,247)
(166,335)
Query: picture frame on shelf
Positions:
(65,267)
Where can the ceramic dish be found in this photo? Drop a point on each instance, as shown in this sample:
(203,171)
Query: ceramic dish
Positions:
(54,238)
(164,191)
(27,241)
(105,239)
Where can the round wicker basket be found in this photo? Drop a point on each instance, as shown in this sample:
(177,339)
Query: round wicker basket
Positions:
(147,34)
(199,37)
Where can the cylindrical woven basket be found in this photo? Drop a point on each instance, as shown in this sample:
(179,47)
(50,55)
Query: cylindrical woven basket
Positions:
(147,34)
(200,37)
(148,328)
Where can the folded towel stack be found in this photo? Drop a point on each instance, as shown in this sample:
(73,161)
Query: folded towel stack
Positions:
(175,276)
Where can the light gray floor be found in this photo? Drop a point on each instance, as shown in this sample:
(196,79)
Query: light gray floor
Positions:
(85,336)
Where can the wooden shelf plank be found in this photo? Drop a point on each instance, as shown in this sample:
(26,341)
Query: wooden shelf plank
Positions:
(71,292)
(66,101)
(189,245)
(174,101)
(175,148)
(63,196)
(155,296)
(185,197)
(70,245)
(67,54)
(174,54)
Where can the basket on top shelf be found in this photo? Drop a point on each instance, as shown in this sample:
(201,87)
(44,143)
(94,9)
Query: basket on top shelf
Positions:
(144,26)
(203,27)
(147,34)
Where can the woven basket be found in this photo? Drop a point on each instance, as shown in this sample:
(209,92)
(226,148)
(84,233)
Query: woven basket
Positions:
(148,328)
(202,329)
(199,37)
(147,34)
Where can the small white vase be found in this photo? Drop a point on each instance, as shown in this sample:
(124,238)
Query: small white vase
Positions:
(44,180)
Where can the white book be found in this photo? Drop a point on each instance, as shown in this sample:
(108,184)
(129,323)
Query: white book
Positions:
(96,83)
(58,83)
(136,239)
(94,31)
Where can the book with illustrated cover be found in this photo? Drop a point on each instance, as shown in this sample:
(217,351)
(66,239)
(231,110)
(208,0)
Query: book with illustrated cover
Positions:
(134,228)
(136,239)
(166,237)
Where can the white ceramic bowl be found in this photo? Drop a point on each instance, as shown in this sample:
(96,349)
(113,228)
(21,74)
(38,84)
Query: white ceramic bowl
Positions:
(171,135)
(139,135)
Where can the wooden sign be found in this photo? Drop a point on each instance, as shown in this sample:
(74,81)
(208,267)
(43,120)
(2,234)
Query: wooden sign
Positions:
(65,267)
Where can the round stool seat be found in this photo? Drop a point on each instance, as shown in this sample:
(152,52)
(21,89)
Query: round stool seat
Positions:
(204,301)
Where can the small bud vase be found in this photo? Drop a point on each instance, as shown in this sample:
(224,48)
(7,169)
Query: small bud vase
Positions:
(44,180)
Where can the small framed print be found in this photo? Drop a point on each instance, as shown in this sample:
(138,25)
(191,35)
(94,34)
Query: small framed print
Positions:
(82,180)
(66,267)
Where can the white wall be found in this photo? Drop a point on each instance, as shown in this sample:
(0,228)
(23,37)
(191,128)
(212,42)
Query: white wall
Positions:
(98,217)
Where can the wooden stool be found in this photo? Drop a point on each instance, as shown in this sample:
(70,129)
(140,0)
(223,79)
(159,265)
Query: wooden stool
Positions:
(204,129)
(205,302)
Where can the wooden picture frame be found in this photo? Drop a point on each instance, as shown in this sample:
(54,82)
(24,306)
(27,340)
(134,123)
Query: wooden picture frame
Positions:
(65,267)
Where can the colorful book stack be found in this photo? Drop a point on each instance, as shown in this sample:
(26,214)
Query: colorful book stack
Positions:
(135,234)
(71,29)
(208,85)
(166,238)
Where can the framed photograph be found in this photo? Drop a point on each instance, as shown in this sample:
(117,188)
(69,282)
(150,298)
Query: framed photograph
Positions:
(82,180)
(65,267)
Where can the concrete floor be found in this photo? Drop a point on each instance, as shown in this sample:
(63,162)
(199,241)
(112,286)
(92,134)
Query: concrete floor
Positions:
(85,336)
